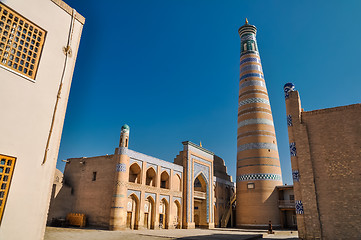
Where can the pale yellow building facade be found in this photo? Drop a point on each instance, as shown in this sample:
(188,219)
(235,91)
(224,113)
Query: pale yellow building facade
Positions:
(39,42)
(131,190)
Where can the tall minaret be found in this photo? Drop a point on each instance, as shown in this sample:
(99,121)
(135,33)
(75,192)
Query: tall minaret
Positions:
(118,211)
(258,165)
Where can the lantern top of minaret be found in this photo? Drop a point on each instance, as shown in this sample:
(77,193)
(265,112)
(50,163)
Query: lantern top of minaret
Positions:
(247,28)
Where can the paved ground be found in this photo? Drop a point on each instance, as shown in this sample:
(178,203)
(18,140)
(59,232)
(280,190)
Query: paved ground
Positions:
(53,233)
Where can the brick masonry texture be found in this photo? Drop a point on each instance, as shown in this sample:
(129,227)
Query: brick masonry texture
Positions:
(328,161)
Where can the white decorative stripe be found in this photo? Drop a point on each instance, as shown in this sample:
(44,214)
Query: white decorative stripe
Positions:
(259,176)
(255,112)
(253,100)
(251,67)
(258,145)
(255,121)
(253,83)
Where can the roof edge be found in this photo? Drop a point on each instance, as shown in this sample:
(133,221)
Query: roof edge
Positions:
(69,10)
(197,146)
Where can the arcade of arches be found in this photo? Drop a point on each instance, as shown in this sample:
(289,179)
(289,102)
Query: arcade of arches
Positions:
(136,191)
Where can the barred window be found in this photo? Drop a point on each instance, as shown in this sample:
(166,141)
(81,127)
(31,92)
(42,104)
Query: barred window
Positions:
(21,43)
(6,171)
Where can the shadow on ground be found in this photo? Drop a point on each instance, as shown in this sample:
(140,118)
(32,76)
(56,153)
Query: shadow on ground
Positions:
(223,237)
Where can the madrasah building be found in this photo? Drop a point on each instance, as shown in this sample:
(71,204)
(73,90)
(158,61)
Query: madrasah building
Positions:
(131,190)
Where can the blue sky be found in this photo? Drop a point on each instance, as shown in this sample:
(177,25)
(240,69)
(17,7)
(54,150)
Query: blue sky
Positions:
(170,70)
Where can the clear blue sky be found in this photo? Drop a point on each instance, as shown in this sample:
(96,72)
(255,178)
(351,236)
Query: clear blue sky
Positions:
(170,70)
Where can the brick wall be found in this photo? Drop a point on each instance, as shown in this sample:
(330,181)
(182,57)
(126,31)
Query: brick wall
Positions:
(328,159)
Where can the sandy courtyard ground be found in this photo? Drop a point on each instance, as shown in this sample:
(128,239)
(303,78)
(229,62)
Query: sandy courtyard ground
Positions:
(53,233)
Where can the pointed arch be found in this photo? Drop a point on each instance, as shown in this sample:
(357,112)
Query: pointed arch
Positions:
(132,211)
(177,183)
(134,173)
(151,176)
(164,213)
(164,180)
(149,212)
(177,214)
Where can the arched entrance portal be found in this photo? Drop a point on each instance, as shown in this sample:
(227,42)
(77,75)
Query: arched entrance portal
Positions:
(149,213)
(200,201)
(177,216)
(132,212)
(163,214)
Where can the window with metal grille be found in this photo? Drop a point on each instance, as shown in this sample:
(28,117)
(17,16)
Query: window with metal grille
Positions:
(21,43)
(6,172)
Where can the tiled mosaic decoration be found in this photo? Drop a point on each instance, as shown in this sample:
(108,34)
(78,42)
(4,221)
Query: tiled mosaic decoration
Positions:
(293,149)
(259,176)
(253,100)
(288,87)
(253,83)
(255,121)
(289,120)
(299,207)
(246,37)
(251,67)
(137,193)
(122,151)
(6,171)
(121,167)
(259,145)
(296,176)
(199,168)
(251,59)
(251,75)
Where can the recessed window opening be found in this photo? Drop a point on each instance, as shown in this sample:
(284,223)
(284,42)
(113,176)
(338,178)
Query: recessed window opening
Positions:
(94,176)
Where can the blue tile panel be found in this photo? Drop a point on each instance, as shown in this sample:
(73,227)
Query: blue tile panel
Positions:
(296,176)
(248,37)
(299,207)
(251,75)
(253,100)
(250,59)
(251,67)
(289,87)
(293,149)
(255,121)
(198,169)
(137,193)
(253,83)
(259,176)
(166,197)
(153,195)
(259,145)
(121,167)
(289,120)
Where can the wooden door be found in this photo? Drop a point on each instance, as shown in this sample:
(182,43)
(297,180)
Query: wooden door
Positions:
(129,220)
